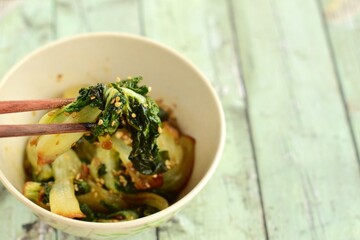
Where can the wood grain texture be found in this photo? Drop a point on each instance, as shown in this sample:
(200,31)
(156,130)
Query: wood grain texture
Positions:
(229,207)
(341,19)
(20,33)
(307,163)
(297,123)
(75,17)
(13,106)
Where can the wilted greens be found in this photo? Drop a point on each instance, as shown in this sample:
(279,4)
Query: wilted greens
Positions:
(133,162)
(123,105)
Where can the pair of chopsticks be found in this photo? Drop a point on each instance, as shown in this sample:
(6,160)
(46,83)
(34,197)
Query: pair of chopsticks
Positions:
(38,129)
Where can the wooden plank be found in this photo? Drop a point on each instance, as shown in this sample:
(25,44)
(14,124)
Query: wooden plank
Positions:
(229,206)
(306,157)
(14,215)
(74,17)
(17,23)
(21,33)
(341,19)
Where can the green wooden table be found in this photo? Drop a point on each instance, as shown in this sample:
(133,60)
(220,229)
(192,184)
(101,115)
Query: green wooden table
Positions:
(288,75)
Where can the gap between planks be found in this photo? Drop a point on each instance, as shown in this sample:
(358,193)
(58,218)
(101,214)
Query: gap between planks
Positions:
(237,50)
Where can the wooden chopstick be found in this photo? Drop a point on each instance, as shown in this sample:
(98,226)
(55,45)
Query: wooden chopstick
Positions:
(38,129)
(43,129)
(32,105)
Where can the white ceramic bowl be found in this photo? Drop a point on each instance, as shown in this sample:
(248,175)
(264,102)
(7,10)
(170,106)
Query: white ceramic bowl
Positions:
(100,57)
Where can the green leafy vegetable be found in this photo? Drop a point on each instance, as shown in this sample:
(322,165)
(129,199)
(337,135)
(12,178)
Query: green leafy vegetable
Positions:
(65,168)
(81,187)
(133,163)
(38,192)
(103,165)
(116,105)
(125,105)
(40,172)
(49,147)
(32,190)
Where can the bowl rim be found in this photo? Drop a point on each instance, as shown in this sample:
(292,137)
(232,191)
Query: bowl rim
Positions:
(173,208)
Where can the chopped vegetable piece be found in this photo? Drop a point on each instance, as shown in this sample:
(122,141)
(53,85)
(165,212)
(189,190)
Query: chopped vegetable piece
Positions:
(133,163)
(62,195)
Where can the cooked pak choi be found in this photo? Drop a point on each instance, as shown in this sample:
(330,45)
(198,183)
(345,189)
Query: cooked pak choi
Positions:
(133,163)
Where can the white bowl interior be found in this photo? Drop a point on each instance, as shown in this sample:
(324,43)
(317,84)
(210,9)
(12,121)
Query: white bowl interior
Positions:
(101,58)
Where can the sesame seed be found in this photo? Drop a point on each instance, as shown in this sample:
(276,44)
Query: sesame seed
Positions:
(129,77)
(118,104)
(149,89)
(100,122)
(118,79)
(112,101)
(168,164)
(101,181)
(119,134)
(113,123)
(127,141)
(133,115)
(51,113)
(92,97)
(122,180)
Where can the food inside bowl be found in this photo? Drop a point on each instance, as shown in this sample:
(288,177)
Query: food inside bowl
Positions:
(133,162)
